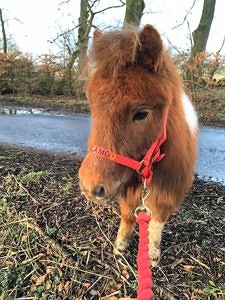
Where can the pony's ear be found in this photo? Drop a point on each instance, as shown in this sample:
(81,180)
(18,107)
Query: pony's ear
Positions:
(96,35)
(150,51)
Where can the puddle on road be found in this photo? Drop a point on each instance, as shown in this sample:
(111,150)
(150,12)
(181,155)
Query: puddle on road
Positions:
(4,110)
(18,110)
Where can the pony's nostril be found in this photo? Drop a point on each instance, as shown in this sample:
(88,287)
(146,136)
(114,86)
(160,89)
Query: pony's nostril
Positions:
(99,191)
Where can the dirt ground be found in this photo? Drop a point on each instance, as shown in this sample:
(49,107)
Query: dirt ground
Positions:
(55,245)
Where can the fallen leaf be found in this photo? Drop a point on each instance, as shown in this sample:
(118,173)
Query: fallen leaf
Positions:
(125,274)
(86,284)
(48,285)
(48,250)
(177,262)
(60,287)
(40,279)
(66,285)
(188,268)
(8,263)
(24,238)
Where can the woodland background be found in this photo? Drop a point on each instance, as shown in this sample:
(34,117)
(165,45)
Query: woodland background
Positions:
(57,80)
(60,74)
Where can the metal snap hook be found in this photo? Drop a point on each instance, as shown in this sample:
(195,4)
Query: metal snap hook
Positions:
(144,194)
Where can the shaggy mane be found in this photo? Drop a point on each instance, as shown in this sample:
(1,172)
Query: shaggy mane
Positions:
(114,50)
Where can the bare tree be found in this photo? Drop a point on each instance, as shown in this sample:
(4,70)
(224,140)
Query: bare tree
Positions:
(216,63)
(84,28)
(201,34)
(3,32)
(134,12)
(200,37)
(87,15)
(85,24)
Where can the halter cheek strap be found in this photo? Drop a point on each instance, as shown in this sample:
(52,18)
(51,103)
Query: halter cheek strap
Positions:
(144,167)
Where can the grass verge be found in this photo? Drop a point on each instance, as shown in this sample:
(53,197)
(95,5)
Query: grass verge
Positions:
(62,103)
(209,103)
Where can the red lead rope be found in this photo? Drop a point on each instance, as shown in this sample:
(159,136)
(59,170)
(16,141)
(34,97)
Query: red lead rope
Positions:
(144,265)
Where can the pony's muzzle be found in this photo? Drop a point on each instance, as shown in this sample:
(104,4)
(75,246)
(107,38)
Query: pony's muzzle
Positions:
(99,179)
(99,192)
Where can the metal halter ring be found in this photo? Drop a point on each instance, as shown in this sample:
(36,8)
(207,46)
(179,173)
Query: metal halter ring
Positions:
(142,208)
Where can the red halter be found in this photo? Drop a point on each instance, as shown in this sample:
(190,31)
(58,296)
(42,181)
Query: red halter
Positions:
(143,167)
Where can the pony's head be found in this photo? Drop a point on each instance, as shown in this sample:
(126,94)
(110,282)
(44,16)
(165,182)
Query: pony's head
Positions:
(128,92)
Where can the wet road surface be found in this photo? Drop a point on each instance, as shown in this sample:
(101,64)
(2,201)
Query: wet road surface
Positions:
(45,131)
(69,133)
(211,153)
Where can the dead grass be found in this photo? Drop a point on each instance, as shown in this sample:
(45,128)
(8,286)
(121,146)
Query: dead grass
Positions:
(210,105)
(55,245)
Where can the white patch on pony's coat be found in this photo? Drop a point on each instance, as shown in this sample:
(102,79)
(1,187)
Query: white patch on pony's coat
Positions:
(190,113)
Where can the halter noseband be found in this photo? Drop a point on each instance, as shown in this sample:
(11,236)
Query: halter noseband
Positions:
(143,167)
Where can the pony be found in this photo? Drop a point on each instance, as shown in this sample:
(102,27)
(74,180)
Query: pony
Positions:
(133,83)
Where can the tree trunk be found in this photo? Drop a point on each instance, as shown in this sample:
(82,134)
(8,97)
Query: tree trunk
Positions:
(80,51)
(68,76)
(200,38)
(3,32)
(83,33)
(201,34)
(214,67)
(134,12)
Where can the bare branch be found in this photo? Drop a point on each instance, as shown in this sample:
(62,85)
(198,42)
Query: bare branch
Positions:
(92,15)
(95,27)
(221,47)
(14,19)
(115,6)
(66,32)
(94,2)
(64,2)
(173,46)
(190,34)
(185,18)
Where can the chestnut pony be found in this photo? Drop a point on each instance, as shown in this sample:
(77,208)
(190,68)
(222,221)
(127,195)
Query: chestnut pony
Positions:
(133,83)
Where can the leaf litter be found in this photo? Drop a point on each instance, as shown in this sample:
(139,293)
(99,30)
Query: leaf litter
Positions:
(56,245)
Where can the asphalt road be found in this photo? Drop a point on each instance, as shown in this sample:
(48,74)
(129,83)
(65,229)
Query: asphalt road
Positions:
(68,134)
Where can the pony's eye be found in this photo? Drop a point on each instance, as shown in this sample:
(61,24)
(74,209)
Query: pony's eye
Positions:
(140,115)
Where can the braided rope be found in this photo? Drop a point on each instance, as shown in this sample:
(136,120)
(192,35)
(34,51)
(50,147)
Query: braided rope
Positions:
(144,265)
